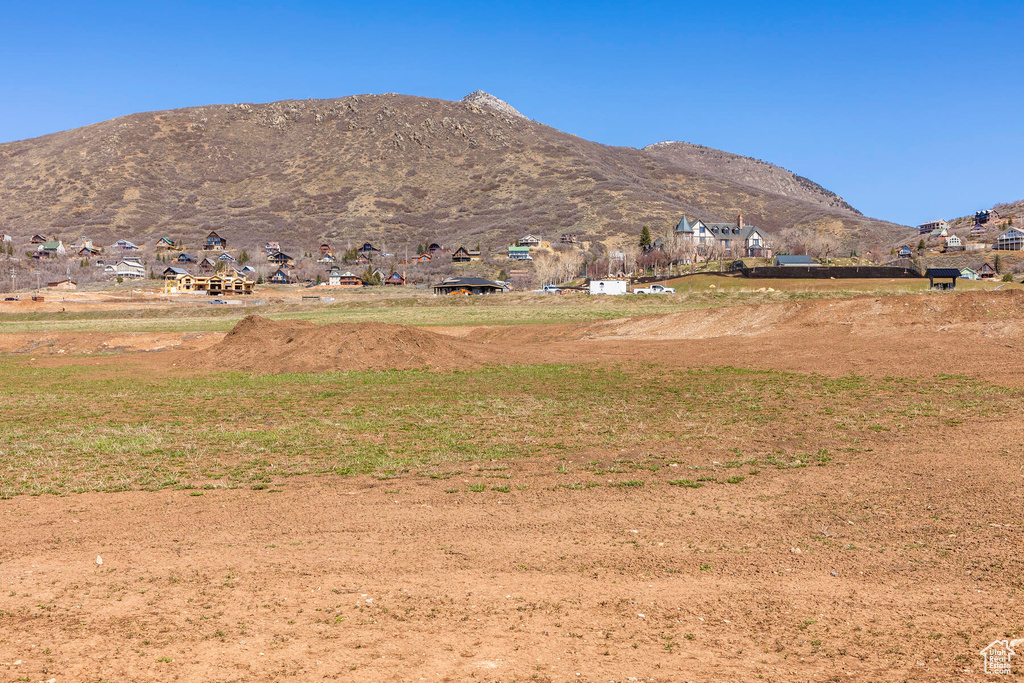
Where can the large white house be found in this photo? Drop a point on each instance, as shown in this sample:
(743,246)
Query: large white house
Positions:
(735,240)
(127,268)
(1012,239)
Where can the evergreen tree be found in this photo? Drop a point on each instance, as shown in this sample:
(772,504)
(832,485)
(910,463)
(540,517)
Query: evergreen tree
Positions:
(645,238)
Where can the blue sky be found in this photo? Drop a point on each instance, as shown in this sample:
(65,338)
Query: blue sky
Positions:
(909,110)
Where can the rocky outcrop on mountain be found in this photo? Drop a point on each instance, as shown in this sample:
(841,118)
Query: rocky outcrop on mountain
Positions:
(392,169)
(486,99)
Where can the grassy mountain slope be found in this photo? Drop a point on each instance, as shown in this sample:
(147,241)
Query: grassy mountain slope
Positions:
(388,168)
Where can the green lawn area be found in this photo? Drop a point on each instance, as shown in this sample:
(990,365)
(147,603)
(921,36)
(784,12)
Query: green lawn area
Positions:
(79,428)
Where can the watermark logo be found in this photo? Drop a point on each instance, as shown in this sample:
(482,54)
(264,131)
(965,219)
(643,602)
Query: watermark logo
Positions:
(997,657)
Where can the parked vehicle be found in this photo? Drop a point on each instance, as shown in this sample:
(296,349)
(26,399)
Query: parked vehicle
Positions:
(655,289)
(548,289)
(613,287)
(218,301)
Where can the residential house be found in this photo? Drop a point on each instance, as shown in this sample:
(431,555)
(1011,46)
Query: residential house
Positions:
(50,250)
(164,244)
(38,239)
(986,271)
(1012,239)
(184,258)
(281,259)
(125,246)
(463,255)
(226,258)
(215,242)
(171,273)
(63,285)
(271,247)
(942,278)
(905,252)
(395,278)
(368,250)
(977,230)
(127,268)
(954,243)
(434,247)
(227,283)
(5,238)
(931,226)
(968,274)
(88,252)
(282,276)
(215,285)
(569,238)
(336,278)
(529,241)
(467,285)
(326,258)
(207,264)
(983,217)
(791,261)
(517,253)
(325,249)
(734,240)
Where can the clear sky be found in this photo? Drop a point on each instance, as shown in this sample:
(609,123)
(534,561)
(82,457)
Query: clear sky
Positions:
(909,110)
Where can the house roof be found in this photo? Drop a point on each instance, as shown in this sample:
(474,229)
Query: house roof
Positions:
(684,225)
(50,245)
(520,249)
(795,260)
(176,271)
(942,272)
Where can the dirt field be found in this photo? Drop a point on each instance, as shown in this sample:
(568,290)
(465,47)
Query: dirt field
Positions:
(822,490)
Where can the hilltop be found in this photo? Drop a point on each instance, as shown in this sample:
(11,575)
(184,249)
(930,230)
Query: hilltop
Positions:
(394,169)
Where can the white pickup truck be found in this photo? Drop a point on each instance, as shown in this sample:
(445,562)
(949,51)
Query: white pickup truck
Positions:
(654,289)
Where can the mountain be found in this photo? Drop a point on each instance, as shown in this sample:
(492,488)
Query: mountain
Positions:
(387,168)
(714,163)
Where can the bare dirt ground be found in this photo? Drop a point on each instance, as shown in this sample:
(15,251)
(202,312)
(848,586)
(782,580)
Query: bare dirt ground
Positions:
(899,561)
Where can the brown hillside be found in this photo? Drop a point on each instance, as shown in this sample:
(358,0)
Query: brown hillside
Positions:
(389,168)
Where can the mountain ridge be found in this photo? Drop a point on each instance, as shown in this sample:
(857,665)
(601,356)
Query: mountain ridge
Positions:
(393,168)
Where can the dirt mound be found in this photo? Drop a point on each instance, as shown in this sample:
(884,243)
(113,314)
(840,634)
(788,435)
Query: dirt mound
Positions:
(78,343)
(990,313)
(258,344)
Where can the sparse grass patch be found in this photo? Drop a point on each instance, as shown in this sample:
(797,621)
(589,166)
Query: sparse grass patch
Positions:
(258,431)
